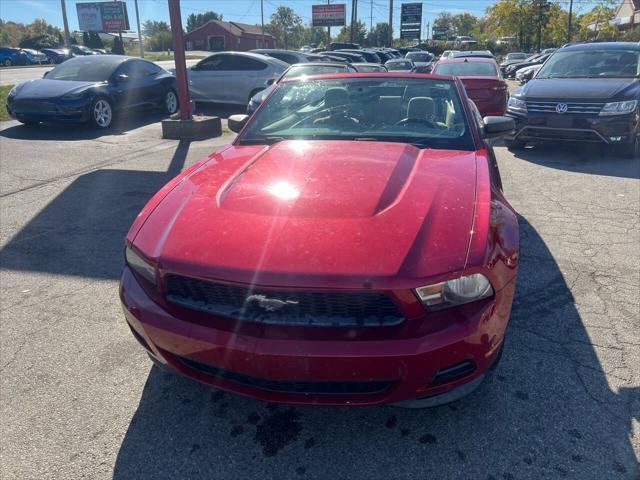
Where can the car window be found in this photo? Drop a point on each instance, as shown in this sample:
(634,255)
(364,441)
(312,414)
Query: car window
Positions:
(299,71)
(285,57)
(399,65)
(134,69)
(597,63)
(231,63)
(86,69)
(214,63)
(483,69)
(419,56)
(149,69)
(424,112)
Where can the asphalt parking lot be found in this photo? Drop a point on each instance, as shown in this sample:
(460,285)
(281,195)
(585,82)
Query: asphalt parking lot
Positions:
(80,399)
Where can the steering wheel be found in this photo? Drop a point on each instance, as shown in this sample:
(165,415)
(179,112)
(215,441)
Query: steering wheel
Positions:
(416,121)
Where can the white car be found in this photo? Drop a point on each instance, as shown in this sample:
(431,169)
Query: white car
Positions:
(527,73)
(232,77)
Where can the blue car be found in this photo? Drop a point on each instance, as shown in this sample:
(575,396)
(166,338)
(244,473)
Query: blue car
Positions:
(13,56)
(57,55)
(93,89)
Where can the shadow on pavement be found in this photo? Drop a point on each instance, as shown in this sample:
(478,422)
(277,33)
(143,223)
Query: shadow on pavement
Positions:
(219,109)
(72,132)
(591,159)
(547,412)
(81,232)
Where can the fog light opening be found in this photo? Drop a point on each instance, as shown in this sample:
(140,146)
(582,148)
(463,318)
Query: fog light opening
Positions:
(616,139)
(454,372)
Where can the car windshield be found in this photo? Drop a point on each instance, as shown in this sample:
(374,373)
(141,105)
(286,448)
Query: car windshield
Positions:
(516,56)
(419,56)
(423,112)
(399,65)
(301,70)
(600,63)
(92,69)
(481,69)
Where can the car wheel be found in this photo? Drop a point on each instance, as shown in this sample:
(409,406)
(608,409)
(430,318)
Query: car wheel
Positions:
(101,112)
(630,150)
(170,102)
(8,62)
(514,144)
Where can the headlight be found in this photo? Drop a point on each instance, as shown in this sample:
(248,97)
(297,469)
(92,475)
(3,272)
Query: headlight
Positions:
(455,292)
(517,105)
(619,108)
(140,264)
(14,91)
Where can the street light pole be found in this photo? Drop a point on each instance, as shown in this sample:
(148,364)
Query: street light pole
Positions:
(569,26)
(262,21)
(178,52)
(390,23)
(67,40)
(140,44)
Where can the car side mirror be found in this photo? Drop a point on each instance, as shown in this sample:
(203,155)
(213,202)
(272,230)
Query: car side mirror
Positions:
(495,127)
(237,122)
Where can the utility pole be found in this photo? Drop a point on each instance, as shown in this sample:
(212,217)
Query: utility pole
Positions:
(178,54)
(353,21)
(262,22)
(569,26)
(67,40)
(140,44)
(328,30)
(371,17)
(390,23)
(540,2)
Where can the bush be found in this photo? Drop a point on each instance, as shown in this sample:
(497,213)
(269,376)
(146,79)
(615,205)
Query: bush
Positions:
(39,42)
(159,42)
(118,47)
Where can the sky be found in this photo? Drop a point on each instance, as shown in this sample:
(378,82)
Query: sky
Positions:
(248,11)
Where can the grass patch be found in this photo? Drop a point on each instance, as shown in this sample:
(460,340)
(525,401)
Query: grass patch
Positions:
(4,91)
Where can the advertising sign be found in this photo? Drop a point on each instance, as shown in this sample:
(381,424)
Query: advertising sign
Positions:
(102,16)
(440,33)
(329,15)
(410,21)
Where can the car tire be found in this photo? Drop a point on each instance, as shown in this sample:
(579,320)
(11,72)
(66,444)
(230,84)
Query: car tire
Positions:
(101,113)
(170,102)
(8,62)
(513,145)
(630,150)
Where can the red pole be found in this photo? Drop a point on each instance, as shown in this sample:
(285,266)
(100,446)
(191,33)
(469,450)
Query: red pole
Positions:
(181,66)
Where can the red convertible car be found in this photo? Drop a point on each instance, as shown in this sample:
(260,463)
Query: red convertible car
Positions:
(482,80)
(352,246)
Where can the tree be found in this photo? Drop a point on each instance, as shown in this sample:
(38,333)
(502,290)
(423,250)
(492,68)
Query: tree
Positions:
(96,41)
(378,36)
(444,20)
(594,25)
(160,41)
(196,20)
(151,27)
(285,26)
(311,35)
(37,32)
(359,37)
(118,46)
(85,39)
(464,23)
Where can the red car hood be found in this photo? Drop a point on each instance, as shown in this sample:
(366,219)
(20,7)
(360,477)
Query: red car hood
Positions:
(311,213)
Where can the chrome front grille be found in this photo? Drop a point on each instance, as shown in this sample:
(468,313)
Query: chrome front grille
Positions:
(587,108)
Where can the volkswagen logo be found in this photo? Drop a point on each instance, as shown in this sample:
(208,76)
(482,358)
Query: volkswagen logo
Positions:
(562,108)
(269,304)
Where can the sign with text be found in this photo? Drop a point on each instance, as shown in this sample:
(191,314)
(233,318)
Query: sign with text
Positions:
(440,33)
(410,21)
(102,17)
(329,15)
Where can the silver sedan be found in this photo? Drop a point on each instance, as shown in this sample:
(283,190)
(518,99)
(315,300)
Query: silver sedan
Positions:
(232,77)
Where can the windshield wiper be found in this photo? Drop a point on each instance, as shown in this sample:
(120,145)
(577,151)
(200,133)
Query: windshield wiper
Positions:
(261,141)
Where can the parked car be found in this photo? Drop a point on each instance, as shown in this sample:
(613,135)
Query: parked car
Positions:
(448,54)
(472,53)
(81,50)
(511,58)
(404,50)
(93,89)
(400,65)
(370,67)
(306,48)
(13,56)
(35,57)
(57,55)
(100,51)
(525,74)
(482,80)
(584,93)
(465,41)
(296,71)
(232,77)
(349,57)
(511,70)
(287,56)
(302,265)
(368,55)
(548,50)
(343,45)
(422,61)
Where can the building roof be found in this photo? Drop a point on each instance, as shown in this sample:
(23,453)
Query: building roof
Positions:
(235,28)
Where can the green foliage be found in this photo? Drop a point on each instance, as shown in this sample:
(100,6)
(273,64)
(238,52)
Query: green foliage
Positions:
(632,35)
(378,36)
(196,20)
(286,27)
(85,39)
(160,41)
(151,27)
(13,34)
(118,47)
(359,37)
(39,42)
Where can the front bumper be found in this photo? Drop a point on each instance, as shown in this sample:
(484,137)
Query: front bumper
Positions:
(47,110)
(578,128)
(301,366)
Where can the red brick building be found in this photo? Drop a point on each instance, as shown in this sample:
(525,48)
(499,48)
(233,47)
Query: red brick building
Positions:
(216,35)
